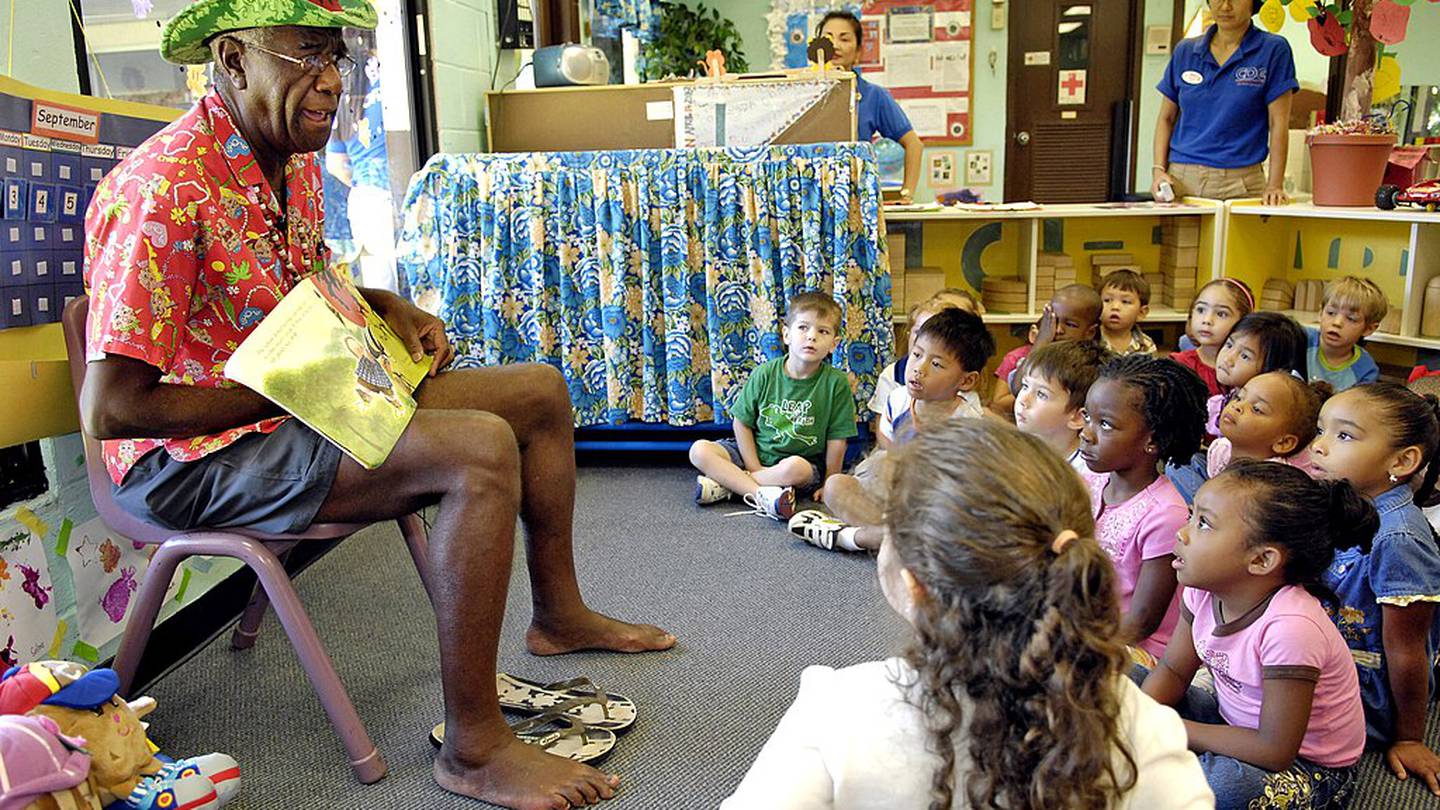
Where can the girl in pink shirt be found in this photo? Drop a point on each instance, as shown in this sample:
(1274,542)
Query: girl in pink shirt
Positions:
(1141,412)
(1273,416)
(1285,725)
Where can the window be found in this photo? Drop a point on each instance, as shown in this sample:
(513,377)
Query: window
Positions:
(122,53)
(22,473)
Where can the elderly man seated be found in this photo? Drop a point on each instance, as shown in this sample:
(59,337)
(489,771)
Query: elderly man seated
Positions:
(190,242)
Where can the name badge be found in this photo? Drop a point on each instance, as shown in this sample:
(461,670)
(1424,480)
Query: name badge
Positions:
(1192,77)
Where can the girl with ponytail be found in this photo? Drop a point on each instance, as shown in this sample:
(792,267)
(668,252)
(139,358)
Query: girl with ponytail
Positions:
(1285,725)
(1012,693)
(1382,438)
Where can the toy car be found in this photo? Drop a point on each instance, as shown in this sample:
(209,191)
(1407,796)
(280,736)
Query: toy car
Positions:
(1426,193)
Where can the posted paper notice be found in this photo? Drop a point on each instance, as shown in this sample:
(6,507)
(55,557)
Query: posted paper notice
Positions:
(927,116)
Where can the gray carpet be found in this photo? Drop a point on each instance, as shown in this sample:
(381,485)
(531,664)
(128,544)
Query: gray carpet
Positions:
(752,607)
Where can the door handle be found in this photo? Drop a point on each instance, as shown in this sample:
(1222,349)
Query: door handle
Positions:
(1022,137)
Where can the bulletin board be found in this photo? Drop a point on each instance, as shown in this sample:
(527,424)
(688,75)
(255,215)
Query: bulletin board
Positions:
(54,149)
(920,50)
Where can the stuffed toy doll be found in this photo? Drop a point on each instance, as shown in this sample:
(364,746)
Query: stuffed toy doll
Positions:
(123,763)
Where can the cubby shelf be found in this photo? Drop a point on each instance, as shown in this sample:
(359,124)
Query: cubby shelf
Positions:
(1399,250)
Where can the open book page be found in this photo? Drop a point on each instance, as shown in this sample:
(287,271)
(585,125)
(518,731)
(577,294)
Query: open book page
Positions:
(325,357)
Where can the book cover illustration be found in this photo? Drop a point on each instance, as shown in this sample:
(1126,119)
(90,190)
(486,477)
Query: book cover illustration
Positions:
(329,360)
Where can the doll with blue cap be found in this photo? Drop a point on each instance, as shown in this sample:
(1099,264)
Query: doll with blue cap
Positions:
(124,767)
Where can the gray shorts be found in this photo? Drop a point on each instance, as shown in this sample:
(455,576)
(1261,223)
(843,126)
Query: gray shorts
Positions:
(269,482)
(817,475)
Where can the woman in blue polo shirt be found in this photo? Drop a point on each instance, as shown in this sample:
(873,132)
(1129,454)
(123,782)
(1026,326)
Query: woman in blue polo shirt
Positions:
(1226,106)
(878,111)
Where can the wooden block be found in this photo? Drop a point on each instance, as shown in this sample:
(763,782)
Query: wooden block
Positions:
(1180,232)
(1430,316)
(1155,280)
(921,283)
(1391,322)
(1277,294)
(1054,260)
(1003,285)
(1101,259)
(1103,270)
(1179,256)
(897,251)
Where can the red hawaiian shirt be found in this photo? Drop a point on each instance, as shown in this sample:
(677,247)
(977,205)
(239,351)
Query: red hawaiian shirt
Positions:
(186,249)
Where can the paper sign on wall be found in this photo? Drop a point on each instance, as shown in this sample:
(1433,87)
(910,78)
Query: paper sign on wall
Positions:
(1037,57)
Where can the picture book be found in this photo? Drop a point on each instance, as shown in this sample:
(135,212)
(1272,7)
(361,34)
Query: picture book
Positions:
(329,360)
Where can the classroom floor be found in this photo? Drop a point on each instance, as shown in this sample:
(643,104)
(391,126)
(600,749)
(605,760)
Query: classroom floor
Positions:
(751,604)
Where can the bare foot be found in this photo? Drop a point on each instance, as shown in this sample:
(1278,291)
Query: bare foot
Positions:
(523,777)
(594,631)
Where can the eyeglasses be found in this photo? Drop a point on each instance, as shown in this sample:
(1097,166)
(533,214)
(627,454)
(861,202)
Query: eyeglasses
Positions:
(314,64)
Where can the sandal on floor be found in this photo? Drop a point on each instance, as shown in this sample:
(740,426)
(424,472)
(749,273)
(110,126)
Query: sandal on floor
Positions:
(577,698)
(554,732)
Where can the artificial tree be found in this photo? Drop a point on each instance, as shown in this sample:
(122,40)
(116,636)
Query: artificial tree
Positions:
(1358,30)
(685,33)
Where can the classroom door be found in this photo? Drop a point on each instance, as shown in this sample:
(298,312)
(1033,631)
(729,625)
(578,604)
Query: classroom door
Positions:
(1069,69)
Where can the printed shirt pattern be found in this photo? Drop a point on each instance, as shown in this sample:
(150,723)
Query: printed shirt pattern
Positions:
(186,250)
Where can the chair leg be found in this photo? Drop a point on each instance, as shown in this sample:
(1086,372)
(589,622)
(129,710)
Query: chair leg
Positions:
(412,528)
(147,607)
(365,759)
(248,629)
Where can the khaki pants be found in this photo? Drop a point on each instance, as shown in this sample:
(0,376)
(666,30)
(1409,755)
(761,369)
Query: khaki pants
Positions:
(1194,180)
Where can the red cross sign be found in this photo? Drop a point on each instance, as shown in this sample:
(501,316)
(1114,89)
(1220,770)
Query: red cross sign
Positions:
(1072,87)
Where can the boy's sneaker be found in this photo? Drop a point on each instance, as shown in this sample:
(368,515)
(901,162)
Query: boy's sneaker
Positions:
(708,491)
(776,503)
(818,529)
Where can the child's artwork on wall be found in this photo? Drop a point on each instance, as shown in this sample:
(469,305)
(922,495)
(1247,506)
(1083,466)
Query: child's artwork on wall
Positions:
(28,618)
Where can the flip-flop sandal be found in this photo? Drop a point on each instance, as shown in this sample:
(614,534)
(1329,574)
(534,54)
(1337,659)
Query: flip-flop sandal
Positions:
(578,698)
(556,733)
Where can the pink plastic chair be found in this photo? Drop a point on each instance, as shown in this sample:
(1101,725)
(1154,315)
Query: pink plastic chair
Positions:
(263,553)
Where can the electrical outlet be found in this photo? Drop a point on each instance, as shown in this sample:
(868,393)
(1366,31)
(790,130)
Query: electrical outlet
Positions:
(977,167)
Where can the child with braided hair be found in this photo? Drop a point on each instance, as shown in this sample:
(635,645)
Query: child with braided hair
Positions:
(1140,413)
(1285,725)
(1013,692)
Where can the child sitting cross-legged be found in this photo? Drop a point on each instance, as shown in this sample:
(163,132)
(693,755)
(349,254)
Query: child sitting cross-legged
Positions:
(1139,413)
(1285,726)
(791,420)
(1383,439)
(1051,400)
(945,363)
(1125,301)
(1012,692)
(1270,417)
(1351,309)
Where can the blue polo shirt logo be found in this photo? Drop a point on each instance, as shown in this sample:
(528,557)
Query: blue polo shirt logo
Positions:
(1250,76)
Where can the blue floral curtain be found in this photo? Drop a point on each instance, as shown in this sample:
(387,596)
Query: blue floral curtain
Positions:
(655,280)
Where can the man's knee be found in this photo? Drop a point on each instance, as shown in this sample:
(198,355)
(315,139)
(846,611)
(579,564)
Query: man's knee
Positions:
(486,455)
(547,384)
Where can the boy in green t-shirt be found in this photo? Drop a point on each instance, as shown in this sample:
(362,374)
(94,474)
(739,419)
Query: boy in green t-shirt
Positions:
(791,420)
